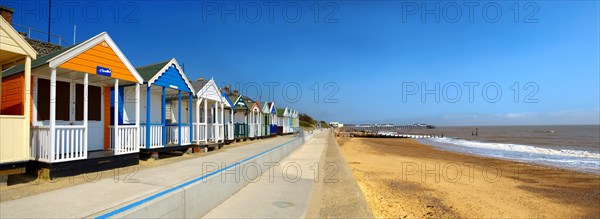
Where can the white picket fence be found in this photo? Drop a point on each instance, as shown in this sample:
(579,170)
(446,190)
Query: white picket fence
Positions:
(214,133)
(220,132)
(172,135)
(185,135)
(211,132)
(40,143)
(229,128)
(156,132)
(127,142)
(198,132)
(222,127)
(69,144)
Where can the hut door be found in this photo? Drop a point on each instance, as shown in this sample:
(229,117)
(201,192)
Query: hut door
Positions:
(95,109)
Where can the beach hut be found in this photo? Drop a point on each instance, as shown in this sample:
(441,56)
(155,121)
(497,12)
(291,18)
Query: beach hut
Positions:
(209,127)
(255,121)
(240,116)
(284,121)
(166,120)
(296,119)
(281,124)
(264,115)
(270,115)
(289,121)
(228,120)
(76,101)
(14,101)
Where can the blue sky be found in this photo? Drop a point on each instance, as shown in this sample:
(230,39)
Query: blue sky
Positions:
(368,58)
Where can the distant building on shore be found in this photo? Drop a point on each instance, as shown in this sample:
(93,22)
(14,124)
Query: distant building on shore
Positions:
(336,124)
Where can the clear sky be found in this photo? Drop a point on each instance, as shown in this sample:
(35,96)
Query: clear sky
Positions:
(505,63)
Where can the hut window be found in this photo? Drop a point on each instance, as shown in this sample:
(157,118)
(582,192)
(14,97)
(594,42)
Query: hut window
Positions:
(94,103)
(63,93)
(43,99)
(63,103)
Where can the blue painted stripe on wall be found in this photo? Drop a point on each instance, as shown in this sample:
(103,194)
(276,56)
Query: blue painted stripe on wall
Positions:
(152,197)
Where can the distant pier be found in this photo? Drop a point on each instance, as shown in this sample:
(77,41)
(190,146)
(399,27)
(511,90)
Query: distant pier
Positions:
(386,127)
(386,131)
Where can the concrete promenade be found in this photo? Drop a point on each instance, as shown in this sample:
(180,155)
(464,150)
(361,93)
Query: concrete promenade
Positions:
(342,197)
(312,182)
(130,195)
(292,189)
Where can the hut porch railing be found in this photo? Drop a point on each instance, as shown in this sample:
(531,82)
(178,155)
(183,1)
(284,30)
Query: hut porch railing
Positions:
(173,134)
(156,133)
(128,142)
(214,133)
(219,132)
(199,132)
(229,131)
(69,144)
(211,133)
(241,130)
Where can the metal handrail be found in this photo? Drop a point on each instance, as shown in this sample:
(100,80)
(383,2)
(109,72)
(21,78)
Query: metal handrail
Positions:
(29,29)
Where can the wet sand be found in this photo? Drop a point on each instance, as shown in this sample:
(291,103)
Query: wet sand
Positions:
(404,179)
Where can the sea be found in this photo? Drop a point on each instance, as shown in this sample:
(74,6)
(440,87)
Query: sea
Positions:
(575,147)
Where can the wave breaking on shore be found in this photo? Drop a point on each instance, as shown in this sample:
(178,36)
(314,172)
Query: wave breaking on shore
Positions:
(578,160)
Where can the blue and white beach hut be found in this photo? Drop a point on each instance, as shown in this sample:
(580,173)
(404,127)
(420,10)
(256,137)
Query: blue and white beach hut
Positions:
(270,113)
(165,124)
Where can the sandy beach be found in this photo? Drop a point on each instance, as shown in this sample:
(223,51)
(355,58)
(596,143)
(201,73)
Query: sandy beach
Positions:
(401,178)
